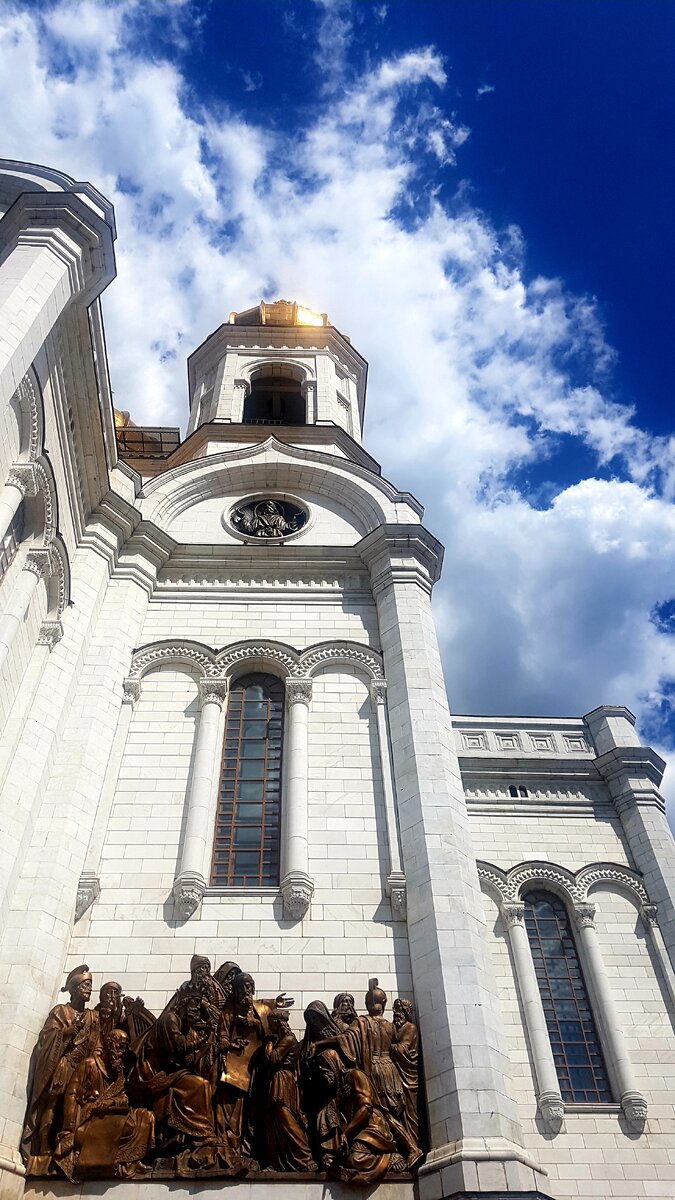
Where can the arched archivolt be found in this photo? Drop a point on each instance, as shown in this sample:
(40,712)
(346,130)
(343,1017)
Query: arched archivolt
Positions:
(288,369)
(615,875)
(342,653)
(259,655)
(28,401)
(199,658)
(370,500)
(58,580)
(509,886)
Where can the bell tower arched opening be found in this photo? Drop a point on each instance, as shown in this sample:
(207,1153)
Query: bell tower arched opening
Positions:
(275,400)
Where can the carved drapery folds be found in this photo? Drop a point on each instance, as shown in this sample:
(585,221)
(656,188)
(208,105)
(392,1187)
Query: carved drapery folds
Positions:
(219,1084)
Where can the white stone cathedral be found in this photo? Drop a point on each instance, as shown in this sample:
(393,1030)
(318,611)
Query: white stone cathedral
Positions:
(513,876)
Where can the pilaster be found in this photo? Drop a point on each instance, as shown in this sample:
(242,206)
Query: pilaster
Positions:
(475,1135)
(633,774)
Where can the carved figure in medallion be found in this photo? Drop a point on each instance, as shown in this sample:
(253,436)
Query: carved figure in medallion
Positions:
(354,1139)
(268,519)
(101,1132)
(68,1036)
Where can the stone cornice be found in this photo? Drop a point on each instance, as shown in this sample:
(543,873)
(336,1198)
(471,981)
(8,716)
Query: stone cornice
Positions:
(71,229)
(313,437)
(401,554)
(634,762)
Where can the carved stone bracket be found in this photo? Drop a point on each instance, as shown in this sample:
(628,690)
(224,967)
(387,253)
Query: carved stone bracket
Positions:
(396,891)
(50,634)
(297,889)
(552,1108)
(88,891)
(188,892)
(634,1110)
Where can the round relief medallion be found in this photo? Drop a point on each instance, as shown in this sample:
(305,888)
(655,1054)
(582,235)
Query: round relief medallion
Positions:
(267,518)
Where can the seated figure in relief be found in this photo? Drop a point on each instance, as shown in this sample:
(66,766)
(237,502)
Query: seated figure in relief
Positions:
(355,1142)
(101,1133)
(68,1036)
(173,1072)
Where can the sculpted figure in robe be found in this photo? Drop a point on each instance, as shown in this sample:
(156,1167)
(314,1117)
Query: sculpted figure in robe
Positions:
(287,1147)
(405,1055)
(101,1133)
(68,1036)
(244,1028)
(173,1066)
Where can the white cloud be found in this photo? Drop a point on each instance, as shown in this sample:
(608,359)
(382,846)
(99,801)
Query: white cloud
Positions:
(541,609)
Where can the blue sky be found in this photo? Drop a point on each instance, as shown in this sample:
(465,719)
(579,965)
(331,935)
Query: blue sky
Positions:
(479,194)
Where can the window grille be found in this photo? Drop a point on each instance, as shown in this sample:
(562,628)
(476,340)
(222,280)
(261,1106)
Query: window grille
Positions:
(11,541)
(246,849)
(572,1030)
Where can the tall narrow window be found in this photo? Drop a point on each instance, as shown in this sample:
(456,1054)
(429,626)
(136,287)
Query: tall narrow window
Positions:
(574,1037)
(246,849)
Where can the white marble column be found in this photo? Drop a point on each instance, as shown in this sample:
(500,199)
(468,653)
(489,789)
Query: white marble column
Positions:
(191,878)
(297,886)
(37,565)
(632,1102)
(22,481)
(649,914)
(549,1099)
(396,875)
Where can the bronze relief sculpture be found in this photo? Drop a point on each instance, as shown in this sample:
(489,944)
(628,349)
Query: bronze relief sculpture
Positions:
(268,518)
(218,1084)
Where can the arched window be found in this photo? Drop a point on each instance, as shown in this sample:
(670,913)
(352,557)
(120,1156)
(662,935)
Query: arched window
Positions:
(246,848)
(574,1037)
(274,400)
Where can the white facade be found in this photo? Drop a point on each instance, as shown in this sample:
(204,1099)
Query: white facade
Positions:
(408,837)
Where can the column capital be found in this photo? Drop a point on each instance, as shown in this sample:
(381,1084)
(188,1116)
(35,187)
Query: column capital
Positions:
(396,890)
(131,690)
(212,691)
(584,915)
(39,562)
(299,691)
(650,914)
(512,913)
(24,477)
(378,690)
(50,634)
(244,385)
